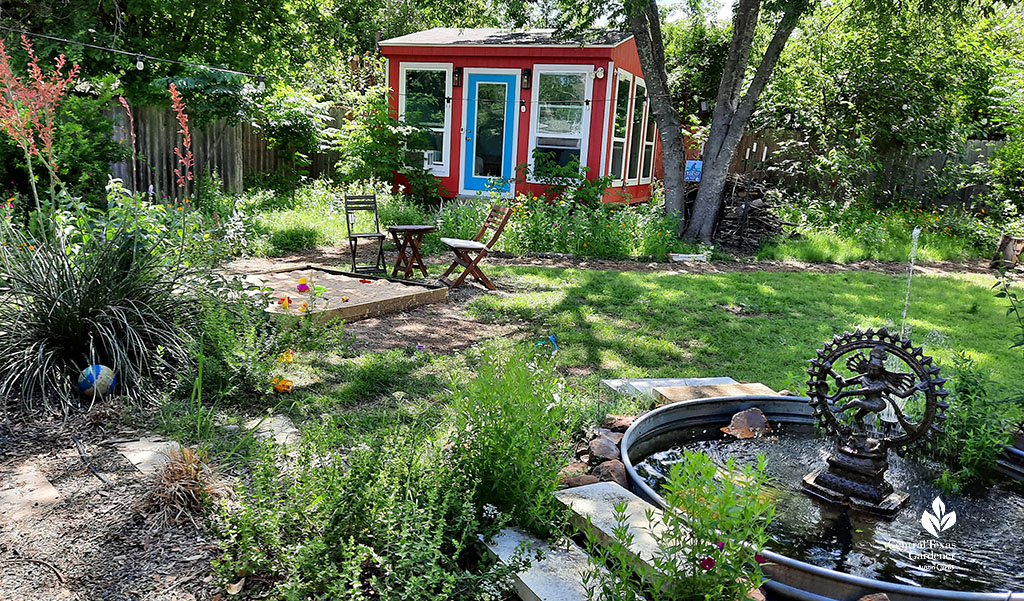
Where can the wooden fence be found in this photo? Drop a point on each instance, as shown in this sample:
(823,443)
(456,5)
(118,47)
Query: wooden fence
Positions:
(234,152)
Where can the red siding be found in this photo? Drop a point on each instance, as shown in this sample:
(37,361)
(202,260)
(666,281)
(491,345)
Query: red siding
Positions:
(524,57)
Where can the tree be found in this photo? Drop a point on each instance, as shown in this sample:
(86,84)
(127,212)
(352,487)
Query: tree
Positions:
(738,90)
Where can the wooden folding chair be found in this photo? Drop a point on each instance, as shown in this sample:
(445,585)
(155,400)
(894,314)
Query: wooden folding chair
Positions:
(353,205)
(464,249)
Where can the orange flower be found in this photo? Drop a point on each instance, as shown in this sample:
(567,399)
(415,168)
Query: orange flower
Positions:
(282,384)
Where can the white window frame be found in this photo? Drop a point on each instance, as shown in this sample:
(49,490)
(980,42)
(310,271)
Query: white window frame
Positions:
(620,75)
(634,181)
(444,168)
(588,102)
(648,149)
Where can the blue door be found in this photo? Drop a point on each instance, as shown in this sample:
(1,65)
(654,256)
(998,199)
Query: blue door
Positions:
(489,151)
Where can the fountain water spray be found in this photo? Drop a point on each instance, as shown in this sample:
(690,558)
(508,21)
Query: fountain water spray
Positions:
(910,277)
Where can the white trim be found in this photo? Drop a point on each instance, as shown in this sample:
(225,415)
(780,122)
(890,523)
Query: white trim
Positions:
(586,118)
(444,169)
(637,82)
(654,141)
(515,126)
(607,125)
(621,75)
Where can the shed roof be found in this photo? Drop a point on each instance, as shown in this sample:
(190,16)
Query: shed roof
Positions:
(453,36)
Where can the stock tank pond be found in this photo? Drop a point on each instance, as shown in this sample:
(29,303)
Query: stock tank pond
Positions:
(822,551)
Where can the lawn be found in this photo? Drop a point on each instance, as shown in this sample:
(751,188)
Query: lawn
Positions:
(759,326)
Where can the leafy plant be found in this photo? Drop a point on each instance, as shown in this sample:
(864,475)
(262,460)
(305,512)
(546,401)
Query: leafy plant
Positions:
(976,429)
(708,539)
(509,423)
(389,518)
(112,300)
(1004,287)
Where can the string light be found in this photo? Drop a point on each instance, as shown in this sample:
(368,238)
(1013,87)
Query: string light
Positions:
(139,64)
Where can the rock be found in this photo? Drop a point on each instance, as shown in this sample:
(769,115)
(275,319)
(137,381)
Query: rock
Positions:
(612,471)
(581,480)
(603,448)
(615,437)
(26,492)
(787,392)
(748,424)
(594,432)
(875,597)
(148,455)
(573,469)
(618,423)
(1018,440)
(756,595)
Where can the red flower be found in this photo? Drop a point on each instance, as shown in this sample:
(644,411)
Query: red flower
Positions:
(760,558)
(707,563)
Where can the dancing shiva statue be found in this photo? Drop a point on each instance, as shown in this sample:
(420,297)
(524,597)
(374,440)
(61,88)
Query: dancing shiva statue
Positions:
(890,399)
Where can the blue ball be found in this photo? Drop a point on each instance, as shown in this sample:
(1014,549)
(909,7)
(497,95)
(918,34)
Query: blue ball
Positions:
(97,380)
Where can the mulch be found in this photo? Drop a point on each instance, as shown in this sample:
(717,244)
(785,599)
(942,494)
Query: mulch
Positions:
(95,542)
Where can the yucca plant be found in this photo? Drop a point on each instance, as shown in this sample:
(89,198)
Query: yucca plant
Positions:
(111,300)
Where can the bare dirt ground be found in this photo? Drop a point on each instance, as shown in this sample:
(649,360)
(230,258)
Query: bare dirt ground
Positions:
(82,540)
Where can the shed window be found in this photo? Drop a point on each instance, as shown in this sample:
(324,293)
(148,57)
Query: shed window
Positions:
(637,131)
(620,128)
(424,101)
(561,120)
(648,161)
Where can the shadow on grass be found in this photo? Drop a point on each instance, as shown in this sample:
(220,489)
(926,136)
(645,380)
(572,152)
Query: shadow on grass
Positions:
(760,326)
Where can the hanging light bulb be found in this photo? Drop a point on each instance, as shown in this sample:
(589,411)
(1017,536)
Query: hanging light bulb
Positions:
(138,62)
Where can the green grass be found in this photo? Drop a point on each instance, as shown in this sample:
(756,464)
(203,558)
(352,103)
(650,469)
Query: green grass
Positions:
(751,326)
(824,247)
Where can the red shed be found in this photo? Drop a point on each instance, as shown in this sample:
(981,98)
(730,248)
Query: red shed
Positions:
(493,99)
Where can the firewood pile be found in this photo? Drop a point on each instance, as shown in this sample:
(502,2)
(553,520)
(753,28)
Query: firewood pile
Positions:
(746,217)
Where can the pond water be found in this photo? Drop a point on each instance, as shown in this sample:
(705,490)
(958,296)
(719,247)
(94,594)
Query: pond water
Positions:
(982,551)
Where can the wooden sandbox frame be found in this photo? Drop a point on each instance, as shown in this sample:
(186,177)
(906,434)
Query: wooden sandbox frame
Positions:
(382,295)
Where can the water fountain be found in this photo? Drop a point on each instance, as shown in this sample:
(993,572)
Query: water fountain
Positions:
(855,474)
(867,517)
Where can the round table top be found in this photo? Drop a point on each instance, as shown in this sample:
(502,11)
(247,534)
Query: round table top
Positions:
(426,229)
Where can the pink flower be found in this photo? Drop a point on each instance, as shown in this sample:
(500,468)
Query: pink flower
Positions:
(760,558)
(721,545)
(707,563)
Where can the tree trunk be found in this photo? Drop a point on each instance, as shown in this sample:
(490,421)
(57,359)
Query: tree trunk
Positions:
(645,23)
(733,110)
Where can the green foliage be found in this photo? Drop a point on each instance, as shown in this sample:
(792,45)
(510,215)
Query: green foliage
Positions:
(113,299)
(977,428)
(511,424)
(844,232)
(611,230)
(923,82)
(1005,289)
(239,344)
(83,145)
(391,517)
(374,146)
(713,529)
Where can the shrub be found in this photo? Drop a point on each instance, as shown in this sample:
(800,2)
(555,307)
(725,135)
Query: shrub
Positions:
(511,422)
(386,519)
(113,300)
(977,427)
(708,549)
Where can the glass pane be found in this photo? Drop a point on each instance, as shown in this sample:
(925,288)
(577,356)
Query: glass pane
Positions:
(618,150)
(635,141)
(560,102)
(621,108)
(489,137)
(424,98)
(645,173)
(547,157)
(652,129)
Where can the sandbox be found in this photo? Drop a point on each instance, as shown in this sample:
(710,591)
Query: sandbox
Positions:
(335,294)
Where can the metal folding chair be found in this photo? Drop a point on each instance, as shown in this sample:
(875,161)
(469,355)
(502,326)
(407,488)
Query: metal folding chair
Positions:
(366,204)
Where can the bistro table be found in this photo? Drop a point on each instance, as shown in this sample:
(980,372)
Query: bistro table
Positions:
(408,239)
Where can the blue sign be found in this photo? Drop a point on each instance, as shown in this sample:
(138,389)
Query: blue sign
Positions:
(693,171)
